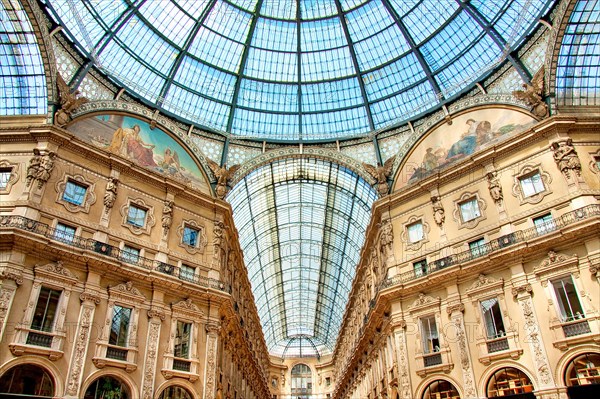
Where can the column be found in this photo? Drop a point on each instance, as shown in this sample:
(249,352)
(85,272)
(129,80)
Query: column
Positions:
(156,317)
(455,312)
(401,361)
(210,365)
(89,300)
(10,283)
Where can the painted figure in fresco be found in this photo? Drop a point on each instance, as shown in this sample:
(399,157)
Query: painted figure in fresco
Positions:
(138,150)
(478,132)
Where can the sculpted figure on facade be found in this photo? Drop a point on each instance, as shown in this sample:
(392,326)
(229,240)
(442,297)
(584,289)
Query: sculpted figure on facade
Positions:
(439,215)
(167,215)
(566,158)
(218,242)
(381,173)
(69,102)
(33,167)
(110,195)
(386,240)
(45,168)
(495,188)
(223,174)
(532,94)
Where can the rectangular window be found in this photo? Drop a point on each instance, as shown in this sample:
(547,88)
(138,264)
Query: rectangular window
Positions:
(130,254)
(4,177)
(492,317)
(431,341)
(182,340)
(120,326)
(187,273)
(415,232)
(74,193)
(544,224)
(190,236)
(469,210)
(64,233)
(136,216)
(420,268)
(477,247)
(531,184)
(45,310)
(567,299)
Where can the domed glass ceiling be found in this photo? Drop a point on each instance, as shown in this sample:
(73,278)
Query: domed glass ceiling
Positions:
(297,70)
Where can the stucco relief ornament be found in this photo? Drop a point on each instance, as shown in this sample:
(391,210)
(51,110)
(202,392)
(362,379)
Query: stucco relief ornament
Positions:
(111,193)
(386,240)
(566,158)
(167,215)
(381,173)
(439,215)
(495,188)
(45,168)
(69,102)
(532,95)
(223,175)
(80,346)
(33,167)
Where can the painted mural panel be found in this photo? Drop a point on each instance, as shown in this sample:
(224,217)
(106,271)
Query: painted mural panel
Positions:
(133,139)
(468,133)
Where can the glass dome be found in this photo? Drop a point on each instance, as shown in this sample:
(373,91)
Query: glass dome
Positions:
(302,70)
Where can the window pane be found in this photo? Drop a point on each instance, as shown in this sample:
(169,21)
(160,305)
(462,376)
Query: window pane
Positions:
(182,339)
(420,268)
(492,316)
(74,193)
(187,273)
(4,177)
(532,185)
(415,232)
(477,247)
(469,210)
(567,299)
(431,342)
(544,224)
(64,233)
(120,325)
(45,311)
(129,254)
(136,216)
(190,236)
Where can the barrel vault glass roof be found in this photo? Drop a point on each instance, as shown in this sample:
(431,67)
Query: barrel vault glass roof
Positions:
(297,70)
(302,224)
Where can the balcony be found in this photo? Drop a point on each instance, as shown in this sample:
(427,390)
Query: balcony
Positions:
(104,249)
(497,345)
(494,246)
(576,328)
(31,341)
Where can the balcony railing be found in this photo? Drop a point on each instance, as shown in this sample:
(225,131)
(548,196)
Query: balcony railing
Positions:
(577,328)
(494,245)
(39,339)
(33,226)
(116,353)
(181,365)
(497,345)
(432,360)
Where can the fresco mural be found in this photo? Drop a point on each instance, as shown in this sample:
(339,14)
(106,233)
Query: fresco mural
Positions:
(468,133)
(133,139)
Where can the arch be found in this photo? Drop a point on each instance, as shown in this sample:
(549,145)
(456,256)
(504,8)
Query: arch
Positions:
(30,380)
(183,383)
(175,391)
(505,381)
(301,379)
(422,387)
(487,374)
(569,355)
(41,362)
(437,385)
(114,373)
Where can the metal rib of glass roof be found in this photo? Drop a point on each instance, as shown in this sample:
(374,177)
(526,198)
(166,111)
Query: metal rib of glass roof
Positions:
(301,224)
(297,70)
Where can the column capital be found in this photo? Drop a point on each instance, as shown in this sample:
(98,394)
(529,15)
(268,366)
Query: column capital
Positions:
(213,327)
(156,313)
(90,296)
(13,275)
(455,307)
(522,290)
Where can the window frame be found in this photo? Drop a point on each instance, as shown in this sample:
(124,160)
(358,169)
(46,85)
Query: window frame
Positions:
(11,179)
(420,267)
(525,172)
(424,340)
(459,210)
(149,219)
(132,219)
(498,334)
(87,200)
(542,226)
(560,306)
(59,232)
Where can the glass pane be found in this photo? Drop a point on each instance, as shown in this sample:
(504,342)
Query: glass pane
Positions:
(190,236)
(415,232)
(120,326)
(532,185)
(136,216)
(469,210)
(182,339)
(4,177)
(45,310)
(64,232)
(74,193)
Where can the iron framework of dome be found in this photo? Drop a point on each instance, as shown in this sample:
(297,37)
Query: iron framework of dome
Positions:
(282,70)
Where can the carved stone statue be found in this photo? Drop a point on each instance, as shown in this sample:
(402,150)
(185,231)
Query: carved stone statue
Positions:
(33,167)
(223,175)
(438,211)
(495,187)
(386,240)
(381,174)
(167,215)
(69,102)
(111,193)
(566,158)
(218,242)
(532,95)
(45,169)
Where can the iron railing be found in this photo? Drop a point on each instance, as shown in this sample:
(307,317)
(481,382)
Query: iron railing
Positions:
(111,251)
(432,360)
(39,339)
(494,245)
(116,353)
(497,345)
(181,365)
(578,328)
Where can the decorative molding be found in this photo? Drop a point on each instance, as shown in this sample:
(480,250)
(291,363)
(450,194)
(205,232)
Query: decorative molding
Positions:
(88,200)
(455,308)
(517,191)
(566,159)
(187,309)
(12,178)
(126,292)
(151,358)
(80,348)
(13,275)
(55,273)
(485,286)
(156,313)
(90,296)
(424,303)
(148,223)
(404,236)
(469,224)
(202,240)
(522,290)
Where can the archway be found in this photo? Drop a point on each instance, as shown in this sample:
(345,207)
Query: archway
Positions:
(582,376)
(26,380)
(107,387)
(440,389)
(301,381)
(175,392)
(510,382)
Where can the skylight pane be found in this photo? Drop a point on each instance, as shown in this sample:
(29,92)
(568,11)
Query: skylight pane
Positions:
(331,95)
(281,9)
(375,51)
(428,16)
(272,126)
(229,21)
(408,103)
(205,79)
(196,108)
(168,19)
(311,9)
(80,22)
(271,65)
(193,7)
(325,65)
(368,20)
(217,50)
(322,35)
(268,96)
(275,35)
(343,122)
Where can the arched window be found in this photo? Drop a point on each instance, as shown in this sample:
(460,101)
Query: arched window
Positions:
(27,379)
(107,387)
(582,376)
(301,381)
(441,389)
(510,381)
(175,392)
